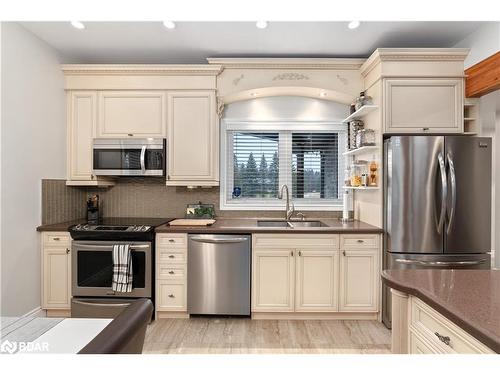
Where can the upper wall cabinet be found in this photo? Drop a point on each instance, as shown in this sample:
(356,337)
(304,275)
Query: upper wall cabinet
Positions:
(193,139)
(132,114)
(423,105)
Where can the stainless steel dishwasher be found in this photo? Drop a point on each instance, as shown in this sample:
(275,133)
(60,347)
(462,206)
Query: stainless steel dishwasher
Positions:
(219,274)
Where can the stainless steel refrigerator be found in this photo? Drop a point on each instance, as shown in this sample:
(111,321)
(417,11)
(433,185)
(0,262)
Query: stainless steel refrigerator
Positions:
(437,204)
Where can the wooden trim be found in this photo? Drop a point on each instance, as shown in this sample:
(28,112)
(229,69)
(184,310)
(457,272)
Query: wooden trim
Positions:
(141,69)
(288,63)
(483,77)
(58,313)
(171,314)
(315,315)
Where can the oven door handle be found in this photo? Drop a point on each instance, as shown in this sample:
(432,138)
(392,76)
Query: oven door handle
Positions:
(133,247)
(101,304)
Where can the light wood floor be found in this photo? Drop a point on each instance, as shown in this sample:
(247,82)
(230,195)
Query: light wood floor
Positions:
(245,336)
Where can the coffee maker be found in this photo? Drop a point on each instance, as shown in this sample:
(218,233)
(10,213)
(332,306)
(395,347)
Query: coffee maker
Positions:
(93,209)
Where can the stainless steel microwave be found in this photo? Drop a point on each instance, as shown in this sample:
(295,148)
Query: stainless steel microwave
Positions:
(129,157)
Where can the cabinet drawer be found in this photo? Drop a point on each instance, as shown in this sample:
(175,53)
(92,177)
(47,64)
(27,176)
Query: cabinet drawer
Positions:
(170,272)
(442,333)
(172,240)
(57,239)
(359,241)
(168,256)
(419,345)
(171,297)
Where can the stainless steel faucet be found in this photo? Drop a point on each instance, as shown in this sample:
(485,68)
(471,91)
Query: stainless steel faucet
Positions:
(289,209)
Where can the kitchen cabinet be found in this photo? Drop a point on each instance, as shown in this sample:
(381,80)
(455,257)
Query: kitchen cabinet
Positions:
(294,273)
(419,105)
(317,280)
(136,113)
(56,273)
(81,130)
(273,280)
(171,275)
(193,139)
(359,272)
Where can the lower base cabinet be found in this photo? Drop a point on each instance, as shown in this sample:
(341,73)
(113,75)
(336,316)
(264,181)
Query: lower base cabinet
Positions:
(56,273)
(313,274)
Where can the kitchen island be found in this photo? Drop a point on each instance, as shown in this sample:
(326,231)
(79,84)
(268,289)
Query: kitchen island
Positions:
(445,311)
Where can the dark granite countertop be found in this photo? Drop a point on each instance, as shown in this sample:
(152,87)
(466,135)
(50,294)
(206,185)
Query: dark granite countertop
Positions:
(240,225)
(469,298)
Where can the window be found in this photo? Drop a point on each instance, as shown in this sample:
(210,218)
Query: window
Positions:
(258,158)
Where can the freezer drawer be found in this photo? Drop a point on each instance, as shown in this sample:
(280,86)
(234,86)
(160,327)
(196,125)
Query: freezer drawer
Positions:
(219,274)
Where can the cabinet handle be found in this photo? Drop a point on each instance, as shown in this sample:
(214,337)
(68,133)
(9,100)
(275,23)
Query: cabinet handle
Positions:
(67,251)
(171,296)
(291,253)
(361,241)
(444,339)
(56,239)
(130,134)
(343,253)
(171,272)
(171,240)
(92,176)
(171,256)
(168,177)
(300,253)
(425,129)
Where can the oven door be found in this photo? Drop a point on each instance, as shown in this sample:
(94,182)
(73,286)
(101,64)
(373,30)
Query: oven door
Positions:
(92,269)
(125,157)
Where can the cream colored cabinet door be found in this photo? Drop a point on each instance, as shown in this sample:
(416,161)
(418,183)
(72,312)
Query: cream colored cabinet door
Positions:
(82,115)
(171,295)
(359,282)
(56,278)
(192,136)
(132,114)
(317,280)
(423,105)
(273,280)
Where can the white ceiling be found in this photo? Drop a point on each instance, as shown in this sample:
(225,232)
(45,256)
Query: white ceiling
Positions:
(193,42)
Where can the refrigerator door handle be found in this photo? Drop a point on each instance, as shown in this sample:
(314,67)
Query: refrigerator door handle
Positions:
(440,264)
(453,179)
(444,192)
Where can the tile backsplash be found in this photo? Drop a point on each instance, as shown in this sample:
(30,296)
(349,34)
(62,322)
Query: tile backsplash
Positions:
(137,197)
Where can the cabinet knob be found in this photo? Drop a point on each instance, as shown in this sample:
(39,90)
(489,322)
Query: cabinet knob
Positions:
(92,176)
(361,241)
(171,272)
(171,296)
(425,129)
(343,253)
(171,240)
(300,253)
(130,134)
(291,253)
(168,177)
(67,251)
(444,339)
(56,239)
(171,256)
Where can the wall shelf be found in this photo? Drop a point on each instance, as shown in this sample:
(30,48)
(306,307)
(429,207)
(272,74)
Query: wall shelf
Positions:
(363,111)
(361,187)
(360,150)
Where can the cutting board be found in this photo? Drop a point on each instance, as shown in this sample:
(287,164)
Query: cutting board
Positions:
(191,222)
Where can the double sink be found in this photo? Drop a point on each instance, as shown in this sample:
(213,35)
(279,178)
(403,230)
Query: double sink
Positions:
(291,224)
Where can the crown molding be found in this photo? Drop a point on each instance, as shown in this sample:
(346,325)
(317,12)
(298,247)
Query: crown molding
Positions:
(412,54)
(288,63)
(142,69)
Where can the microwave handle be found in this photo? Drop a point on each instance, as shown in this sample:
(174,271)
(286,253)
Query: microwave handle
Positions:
(143,159)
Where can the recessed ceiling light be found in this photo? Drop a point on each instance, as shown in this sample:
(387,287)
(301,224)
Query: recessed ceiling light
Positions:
(353,25)
(322,94)
(77,25)
(253,93)
(261,24)
(169,24)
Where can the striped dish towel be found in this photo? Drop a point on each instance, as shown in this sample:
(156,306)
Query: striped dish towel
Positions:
(122,268)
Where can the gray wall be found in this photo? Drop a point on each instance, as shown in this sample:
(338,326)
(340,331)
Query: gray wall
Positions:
(33,130)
